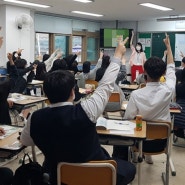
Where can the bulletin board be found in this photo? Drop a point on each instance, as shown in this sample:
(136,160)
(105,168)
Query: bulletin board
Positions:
(157,46)
(145,40)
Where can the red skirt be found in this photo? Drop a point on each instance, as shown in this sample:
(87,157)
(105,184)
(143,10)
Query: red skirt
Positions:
(135,68)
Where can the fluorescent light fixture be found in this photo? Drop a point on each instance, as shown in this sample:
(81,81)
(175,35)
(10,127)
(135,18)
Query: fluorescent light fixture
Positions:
(86,13)
(150,5)
(27,3)
(84,1)
(171,19)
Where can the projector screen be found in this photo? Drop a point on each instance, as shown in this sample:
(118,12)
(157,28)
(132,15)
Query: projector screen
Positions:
(109,37)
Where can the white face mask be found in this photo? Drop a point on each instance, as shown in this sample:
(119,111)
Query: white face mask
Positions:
(138,48)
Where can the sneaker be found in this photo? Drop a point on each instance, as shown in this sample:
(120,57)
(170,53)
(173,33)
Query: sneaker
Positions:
(135,157)
(148,159)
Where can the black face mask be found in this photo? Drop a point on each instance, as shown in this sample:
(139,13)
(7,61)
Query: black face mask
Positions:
(145,77)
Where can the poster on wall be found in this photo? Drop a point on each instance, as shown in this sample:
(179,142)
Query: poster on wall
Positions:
(179,46)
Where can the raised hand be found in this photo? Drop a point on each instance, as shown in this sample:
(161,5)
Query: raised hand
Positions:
(121,49)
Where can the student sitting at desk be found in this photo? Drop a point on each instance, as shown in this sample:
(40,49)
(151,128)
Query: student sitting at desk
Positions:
(152,101)
(4,107)
(87,73)
(67,132)
(179,121)
(112,106)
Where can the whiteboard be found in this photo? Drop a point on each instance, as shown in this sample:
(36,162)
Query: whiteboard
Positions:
(179,46)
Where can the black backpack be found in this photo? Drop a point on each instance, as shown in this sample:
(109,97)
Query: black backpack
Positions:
(30,173)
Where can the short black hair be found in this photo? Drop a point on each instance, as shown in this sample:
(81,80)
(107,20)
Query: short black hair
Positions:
(20,63)
(100,73)
(155,67)
(183,60)
(105,61)
(45,57)
(86,67)
(183,75)
(59,64)
(58,85)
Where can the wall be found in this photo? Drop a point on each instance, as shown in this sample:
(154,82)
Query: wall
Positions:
(52,24)
(2,34)
(15,38)
(154,26)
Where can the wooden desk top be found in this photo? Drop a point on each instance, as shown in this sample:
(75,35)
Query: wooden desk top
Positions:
(8,143)
(35,82)
(129,87)
(173,111)
(26,99)
(3,76)
(137,134)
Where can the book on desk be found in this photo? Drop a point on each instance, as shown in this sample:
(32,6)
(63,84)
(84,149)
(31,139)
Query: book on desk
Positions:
(115,126)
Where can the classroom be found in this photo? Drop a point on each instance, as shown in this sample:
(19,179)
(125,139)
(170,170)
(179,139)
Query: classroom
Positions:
(92,36)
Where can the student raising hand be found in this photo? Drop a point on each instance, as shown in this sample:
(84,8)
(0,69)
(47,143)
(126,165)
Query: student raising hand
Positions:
(121,49)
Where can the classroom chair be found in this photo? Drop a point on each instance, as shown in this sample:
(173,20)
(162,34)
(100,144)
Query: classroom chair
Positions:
(113,108)
(89,81)
(159,131)
(90,173)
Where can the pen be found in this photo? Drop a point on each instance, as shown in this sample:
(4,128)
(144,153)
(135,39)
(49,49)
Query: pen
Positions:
(121,123)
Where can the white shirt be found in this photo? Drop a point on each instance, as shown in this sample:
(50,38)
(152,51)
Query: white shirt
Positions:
(152,101)
(91,75)
(93,106)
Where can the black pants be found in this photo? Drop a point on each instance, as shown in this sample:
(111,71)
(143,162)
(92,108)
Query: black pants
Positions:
(6,176)
(125,172)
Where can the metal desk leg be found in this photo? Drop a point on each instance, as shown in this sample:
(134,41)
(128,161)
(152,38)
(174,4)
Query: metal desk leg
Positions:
(34,154)
(172,167)
(140,161)
(173,172)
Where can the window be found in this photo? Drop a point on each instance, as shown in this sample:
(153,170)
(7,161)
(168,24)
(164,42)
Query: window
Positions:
(62,42)
(92,49)
(41,44)
(77,46)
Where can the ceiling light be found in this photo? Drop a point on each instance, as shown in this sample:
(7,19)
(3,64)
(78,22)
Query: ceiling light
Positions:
(150,5)
(86,13)
(171,19)
(27,3)
(84,1)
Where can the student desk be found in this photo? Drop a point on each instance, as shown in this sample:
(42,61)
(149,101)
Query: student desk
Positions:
(26,100)
(10,145)
(107,138)
(172,111)
(36,82)
(127,89)
(34,85)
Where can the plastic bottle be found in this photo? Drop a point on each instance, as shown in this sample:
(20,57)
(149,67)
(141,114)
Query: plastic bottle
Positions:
(138,122)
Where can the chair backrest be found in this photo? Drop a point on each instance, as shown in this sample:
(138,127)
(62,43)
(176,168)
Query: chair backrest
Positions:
(158,129)
(113,108)
(89,81)
(114,97)
(142,85)
(90,173)
(161,131)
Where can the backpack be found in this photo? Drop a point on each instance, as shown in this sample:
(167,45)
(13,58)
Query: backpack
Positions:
(30,173)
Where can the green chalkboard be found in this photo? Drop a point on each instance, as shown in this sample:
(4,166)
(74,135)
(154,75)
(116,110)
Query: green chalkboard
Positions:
(158,45)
